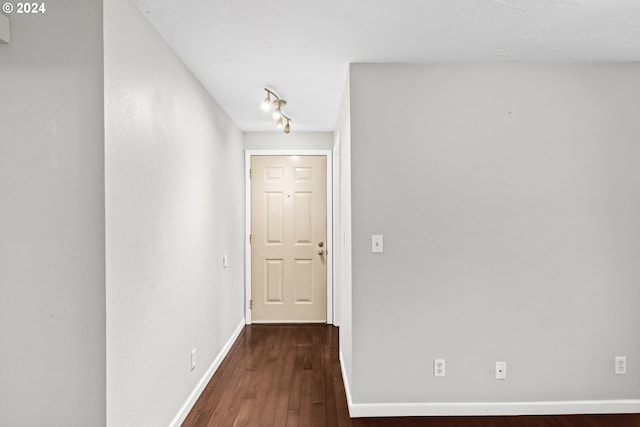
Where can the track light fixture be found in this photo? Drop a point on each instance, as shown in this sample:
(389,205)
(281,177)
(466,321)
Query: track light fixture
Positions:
(282,120)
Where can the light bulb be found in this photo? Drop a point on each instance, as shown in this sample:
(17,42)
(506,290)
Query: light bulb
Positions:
(279,123)
(277,114)
(287,128)
(266,103)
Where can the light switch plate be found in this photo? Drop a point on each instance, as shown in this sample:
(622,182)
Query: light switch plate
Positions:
(376,243)
(225,261)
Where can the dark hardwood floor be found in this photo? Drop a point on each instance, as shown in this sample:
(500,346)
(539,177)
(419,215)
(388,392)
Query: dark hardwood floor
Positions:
(289,375)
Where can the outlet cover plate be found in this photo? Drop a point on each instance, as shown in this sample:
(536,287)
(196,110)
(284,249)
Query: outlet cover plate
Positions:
(621,365)
(501,370)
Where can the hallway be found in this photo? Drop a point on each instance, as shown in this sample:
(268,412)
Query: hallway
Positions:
(289,375)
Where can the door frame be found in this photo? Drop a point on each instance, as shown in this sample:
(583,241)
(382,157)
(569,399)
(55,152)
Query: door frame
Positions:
(247,229)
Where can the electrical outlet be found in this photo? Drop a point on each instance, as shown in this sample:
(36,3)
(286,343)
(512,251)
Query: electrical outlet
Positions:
(621,365)
(501,370)
(193,359)
(439,368)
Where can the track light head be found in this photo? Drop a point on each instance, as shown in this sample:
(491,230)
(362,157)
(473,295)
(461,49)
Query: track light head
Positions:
(287,126)
(279,123)
(267,103)
(277,113)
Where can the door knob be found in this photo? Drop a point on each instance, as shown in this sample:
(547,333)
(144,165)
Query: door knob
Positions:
(321,244)
(320,252)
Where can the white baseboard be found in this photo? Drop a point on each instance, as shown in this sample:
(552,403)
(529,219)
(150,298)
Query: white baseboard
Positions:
(451,409)
(195,394)
(347,391)
(446,409)
(289,322)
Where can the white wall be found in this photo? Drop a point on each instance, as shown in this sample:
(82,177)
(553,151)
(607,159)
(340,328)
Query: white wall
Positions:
(52,273)
(174,207)
(292,141)
(342,226)
(508,200)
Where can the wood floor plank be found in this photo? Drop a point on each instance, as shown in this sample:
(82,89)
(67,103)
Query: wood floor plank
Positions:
(285,382)
(293,406)
(330,408)
(289,376)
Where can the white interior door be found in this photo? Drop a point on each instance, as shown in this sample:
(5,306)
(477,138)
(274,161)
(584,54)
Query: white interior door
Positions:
(288,239)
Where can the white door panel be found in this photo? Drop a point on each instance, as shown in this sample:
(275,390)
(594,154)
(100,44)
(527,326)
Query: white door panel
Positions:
(288,245)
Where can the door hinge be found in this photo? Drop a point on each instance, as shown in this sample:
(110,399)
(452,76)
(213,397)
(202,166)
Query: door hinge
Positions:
(250,238)
(250,304)
(250,173)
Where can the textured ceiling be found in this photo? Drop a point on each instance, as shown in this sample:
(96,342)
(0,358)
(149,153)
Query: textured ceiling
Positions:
(302,48)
